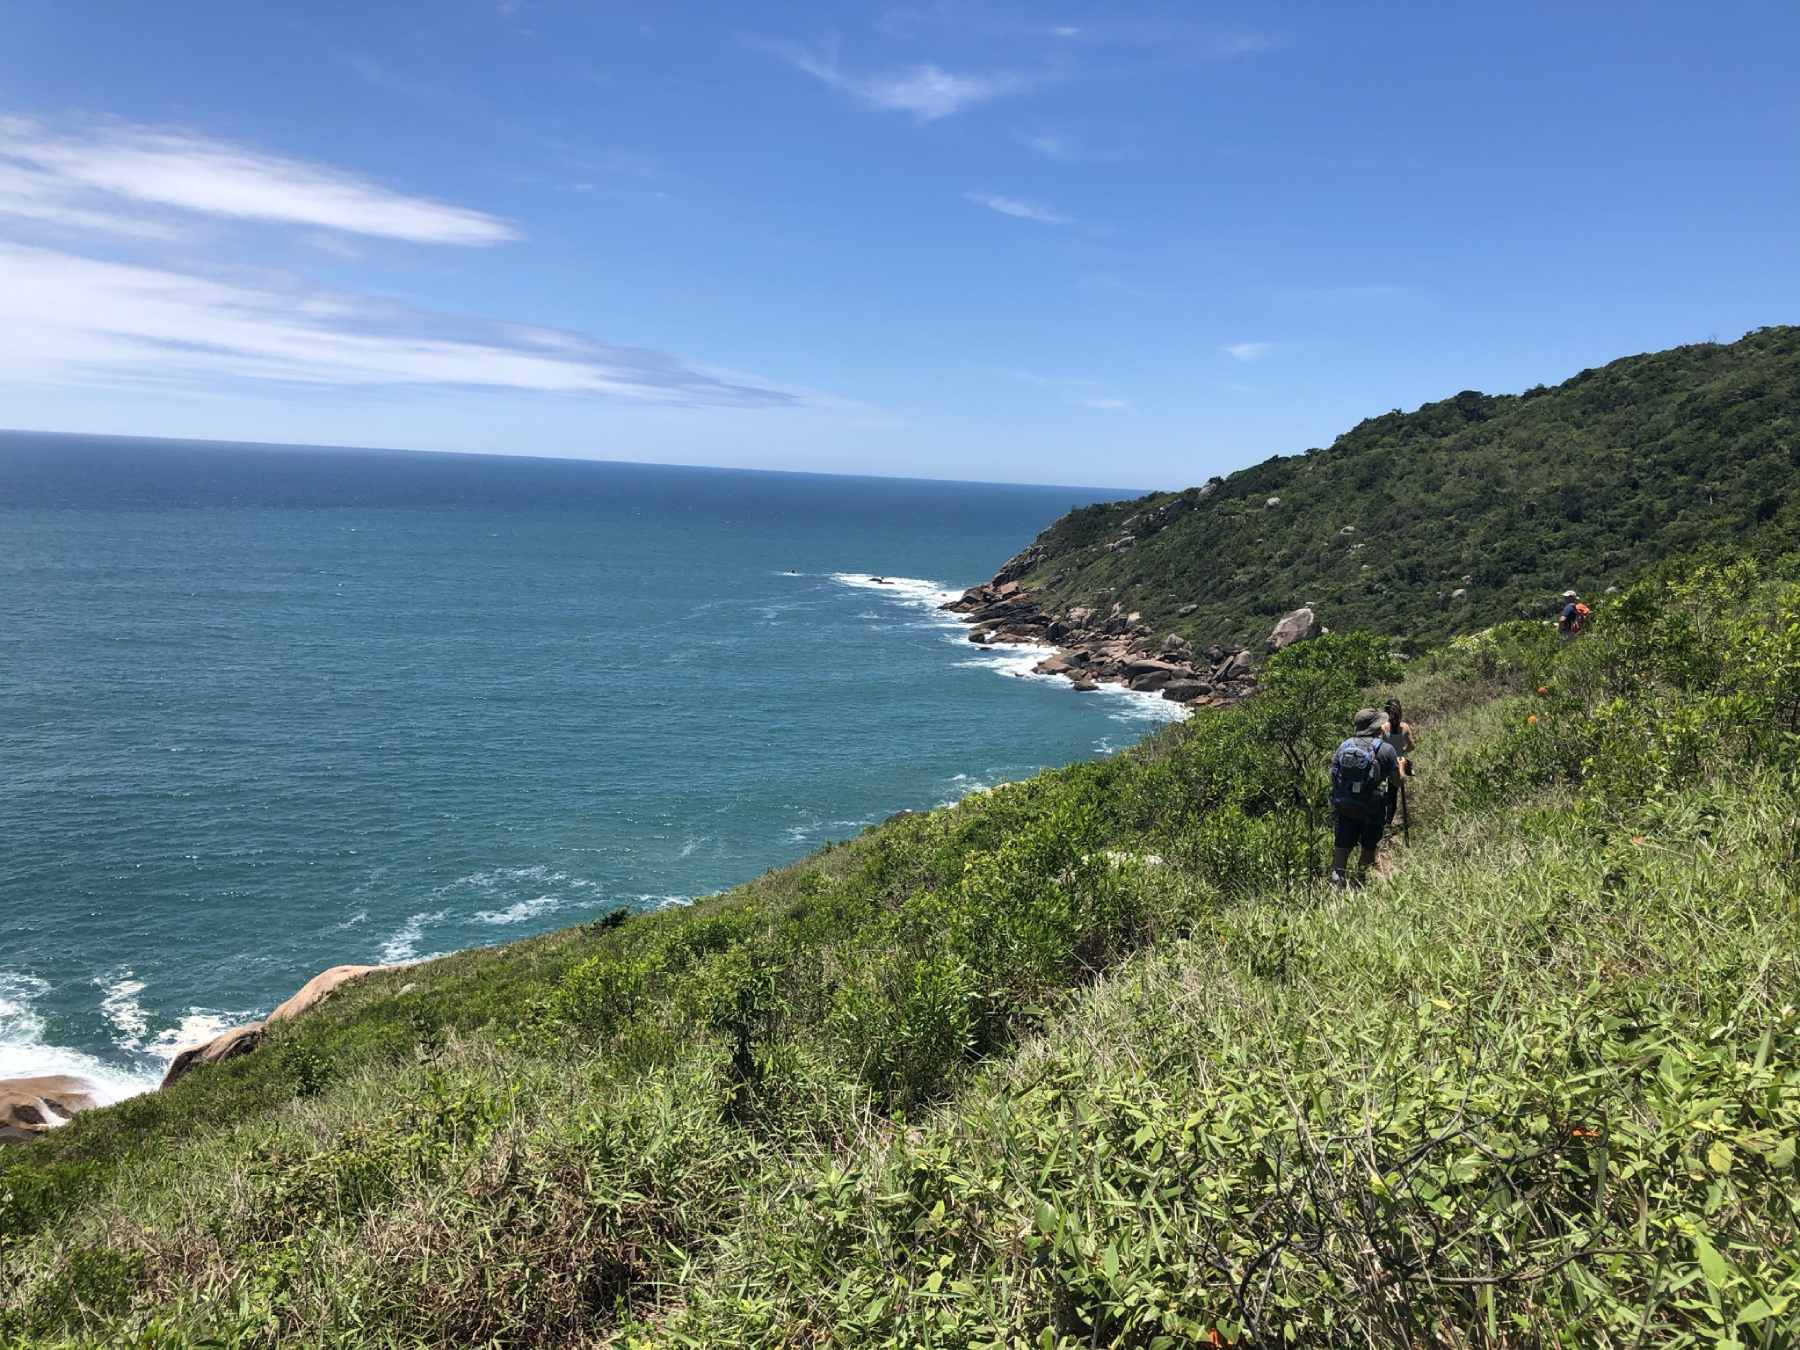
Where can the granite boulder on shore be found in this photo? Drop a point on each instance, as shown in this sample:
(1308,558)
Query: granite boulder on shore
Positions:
(242,1040)
(1114,646)
(30,1106)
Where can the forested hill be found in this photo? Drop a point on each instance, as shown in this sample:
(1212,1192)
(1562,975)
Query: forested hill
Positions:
(1466,512)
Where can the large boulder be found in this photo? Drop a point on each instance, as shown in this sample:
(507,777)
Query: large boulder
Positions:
(1185,691)
(1295,626)
(1057,664)
(1150,681)
(1175,647)
(30,1106)
(1155,665)
(242,1040)
(1234,667)
(318,988)
(226,1045)
(1018,565)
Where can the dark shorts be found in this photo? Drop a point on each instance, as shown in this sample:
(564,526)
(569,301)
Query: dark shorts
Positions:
(1353,831)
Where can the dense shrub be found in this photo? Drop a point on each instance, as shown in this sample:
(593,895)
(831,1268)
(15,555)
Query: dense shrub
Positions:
(1090,1059)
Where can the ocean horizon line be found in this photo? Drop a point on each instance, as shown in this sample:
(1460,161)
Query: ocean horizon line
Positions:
(1124,493)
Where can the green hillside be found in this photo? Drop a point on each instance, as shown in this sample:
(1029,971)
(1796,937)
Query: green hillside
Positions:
(1510,498)
(1092,1059)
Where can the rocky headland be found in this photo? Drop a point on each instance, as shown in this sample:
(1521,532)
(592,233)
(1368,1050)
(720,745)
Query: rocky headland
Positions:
(1093,646)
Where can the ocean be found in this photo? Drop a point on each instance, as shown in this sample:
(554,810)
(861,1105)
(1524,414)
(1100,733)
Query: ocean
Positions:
(265,710)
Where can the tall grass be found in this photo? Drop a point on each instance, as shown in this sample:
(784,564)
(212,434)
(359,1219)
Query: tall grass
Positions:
(1090,1060)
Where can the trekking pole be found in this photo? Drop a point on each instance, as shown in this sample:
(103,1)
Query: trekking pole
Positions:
(1405,817)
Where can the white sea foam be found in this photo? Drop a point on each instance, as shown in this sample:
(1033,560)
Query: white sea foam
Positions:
(1019,660)
(198,1026)
(518,913)
(913,592)
(813,829)
(25,1054)
(361,916)
(119,1003)
(404,944)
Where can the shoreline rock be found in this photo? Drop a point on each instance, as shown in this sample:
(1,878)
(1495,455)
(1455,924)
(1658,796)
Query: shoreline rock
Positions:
(242,1040)
(30,1107)
(1090,647)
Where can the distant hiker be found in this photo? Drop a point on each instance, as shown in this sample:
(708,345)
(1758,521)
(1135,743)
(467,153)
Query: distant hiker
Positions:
(1574,615)
(1399,735)
(1360,769)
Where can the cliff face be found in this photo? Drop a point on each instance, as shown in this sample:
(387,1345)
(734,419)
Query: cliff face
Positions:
(1463,513)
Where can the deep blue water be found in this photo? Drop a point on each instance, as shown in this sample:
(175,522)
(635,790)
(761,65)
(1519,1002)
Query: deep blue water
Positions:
(264,710)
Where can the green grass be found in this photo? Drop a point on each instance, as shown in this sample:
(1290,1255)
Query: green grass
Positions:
(1090,1060)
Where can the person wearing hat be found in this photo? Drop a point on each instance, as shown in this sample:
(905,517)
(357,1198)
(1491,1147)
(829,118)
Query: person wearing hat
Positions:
(1361,768)
(1574,615)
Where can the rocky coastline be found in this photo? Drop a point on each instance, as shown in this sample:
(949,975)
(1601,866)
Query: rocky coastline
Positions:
(1091,647)
(32,1106)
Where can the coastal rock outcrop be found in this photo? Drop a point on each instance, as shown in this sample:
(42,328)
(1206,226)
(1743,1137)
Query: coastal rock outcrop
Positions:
(242,1040)
(316,990)
(1115,645)
(1294,626)
(226,1045)
(30,1106)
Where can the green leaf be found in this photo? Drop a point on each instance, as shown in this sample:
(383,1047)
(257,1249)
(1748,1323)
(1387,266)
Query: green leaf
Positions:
(1719,1157)
(1783,1154)
(1109,1261)
(1712,1265)
(1755,1312)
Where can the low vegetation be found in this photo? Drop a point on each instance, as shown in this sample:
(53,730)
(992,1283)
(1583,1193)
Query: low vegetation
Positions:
(1093,1059)
(1473,510)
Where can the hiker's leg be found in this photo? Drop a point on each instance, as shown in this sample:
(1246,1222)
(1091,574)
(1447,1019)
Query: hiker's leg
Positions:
(1370,838)
(1340,860)
(1349,833)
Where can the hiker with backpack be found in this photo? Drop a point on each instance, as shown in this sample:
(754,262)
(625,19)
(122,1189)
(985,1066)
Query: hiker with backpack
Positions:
(1361,768)
(1574,615)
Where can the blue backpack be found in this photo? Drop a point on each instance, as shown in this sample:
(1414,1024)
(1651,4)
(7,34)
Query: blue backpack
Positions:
(1356,777)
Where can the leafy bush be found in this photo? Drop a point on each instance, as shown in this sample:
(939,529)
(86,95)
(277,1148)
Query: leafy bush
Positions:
(1090,1059)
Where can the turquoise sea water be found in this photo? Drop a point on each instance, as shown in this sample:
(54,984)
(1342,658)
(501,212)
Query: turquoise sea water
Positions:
(267,710)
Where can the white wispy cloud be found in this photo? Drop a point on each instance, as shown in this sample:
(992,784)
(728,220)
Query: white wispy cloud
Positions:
(105,178)
(1019,208)
(1248,351)
(927,91)
(1064,147)
(1106,404)
(71,319)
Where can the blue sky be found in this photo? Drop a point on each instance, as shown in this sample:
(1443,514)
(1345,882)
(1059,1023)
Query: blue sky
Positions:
(1118,244)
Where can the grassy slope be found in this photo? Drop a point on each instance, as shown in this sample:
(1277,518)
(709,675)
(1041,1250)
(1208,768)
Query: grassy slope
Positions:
(967,1080)
(1586,485)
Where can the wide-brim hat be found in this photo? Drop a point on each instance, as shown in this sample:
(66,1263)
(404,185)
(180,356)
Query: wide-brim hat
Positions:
(1367,719)
(1570,595)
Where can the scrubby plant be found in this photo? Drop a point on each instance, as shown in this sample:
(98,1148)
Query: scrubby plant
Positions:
(1091,1059)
